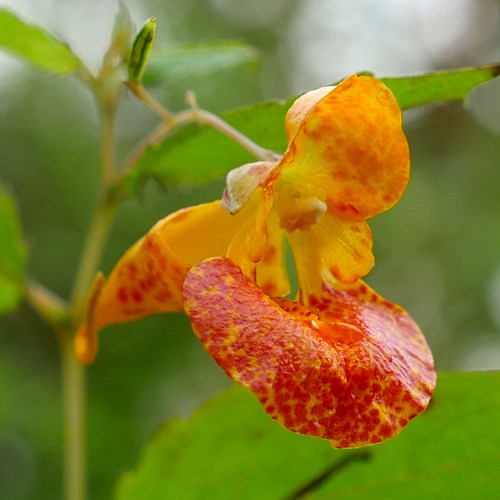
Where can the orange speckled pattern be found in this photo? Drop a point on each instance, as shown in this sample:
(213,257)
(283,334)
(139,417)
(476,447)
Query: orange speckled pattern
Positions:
(351,144)
(350,367)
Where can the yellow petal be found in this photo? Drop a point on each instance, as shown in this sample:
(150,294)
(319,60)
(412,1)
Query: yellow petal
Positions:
(351,145)
(272,276)
(333,247)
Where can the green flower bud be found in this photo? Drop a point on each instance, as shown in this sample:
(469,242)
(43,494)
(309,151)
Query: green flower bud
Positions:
(141,49)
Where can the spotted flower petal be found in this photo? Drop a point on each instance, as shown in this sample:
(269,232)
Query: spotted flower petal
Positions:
(353,368)
(332,249)
(349,144)
(148,279)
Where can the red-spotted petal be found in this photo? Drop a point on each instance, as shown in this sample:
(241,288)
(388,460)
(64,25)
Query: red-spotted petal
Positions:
(355,370)
(349,145)
(332,249)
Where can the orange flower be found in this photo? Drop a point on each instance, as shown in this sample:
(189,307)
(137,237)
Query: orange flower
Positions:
(339,363)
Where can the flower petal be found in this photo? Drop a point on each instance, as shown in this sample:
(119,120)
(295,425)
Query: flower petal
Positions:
(272,275)
(351,145)
(148,278)
(242,182)
(331,250)
(353,371)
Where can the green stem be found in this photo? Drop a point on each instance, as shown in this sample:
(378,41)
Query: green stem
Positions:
(192,115)
(74,411)
(92,250)
(73,373)
(50,307)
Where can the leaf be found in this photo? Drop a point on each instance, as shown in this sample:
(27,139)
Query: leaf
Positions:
(231,449)
(430,88)
(12,255)
(174,63)
(198,154)
(35,45)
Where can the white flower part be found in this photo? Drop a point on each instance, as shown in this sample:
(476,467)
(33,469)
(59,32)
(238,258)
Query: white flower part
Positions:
(301,107)
(241,182)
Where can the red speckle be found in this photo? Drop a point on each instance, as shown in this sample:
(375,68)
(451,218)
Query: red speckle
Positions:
(385,431)
(136,295)
(270,254)
(122,295)
(132,269)
(147,283)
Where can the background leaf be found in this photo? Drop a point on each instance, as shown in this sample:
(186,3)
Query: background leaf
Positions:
(430,88)
(231,449)
(191,156)
(173,64)
(12,254)
(35,45)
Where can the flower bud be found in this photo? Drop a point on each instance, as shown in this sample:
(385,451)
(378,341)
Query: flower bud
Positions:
(141,49)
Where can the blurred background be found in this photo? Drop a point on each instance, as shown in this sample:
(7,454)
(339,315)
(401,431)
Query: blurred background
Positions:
(437,252)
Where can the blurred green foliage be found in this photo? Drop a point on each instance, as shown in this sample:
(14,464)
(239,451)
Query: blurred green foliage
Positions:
(433,456)
(437,251)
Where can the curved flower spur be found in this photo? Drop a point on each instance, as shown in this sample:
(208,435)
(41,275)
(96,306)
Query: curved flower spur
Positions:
(339,362)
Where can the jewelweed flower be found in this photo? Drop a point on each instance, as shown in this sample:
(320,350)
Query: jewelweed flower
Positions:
(339,362)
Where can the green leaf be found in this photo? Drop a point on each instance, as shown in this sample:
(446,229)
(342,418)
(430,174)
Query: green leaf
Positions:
(35,45)
(12,255)
(198,154)
(430,88)
(175,63)
(231,449)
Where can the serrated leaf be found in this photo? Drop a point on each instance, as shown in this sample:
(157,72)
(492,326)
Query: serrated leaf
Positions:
(35,45)
(197,154)
(172,64)
(231,449)
(12,254)
(431,88)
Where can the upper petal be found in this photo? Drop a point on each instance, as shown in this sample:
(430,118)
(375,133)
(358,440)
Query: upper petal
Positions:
(355,370)
(351,145)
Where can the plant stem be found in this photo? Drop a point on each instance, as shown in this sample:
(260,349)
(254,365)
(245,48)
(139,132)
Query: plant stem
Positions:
(50,306)
(73,373)
(92,250)
(193,114)
(74,411)
(108,146)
